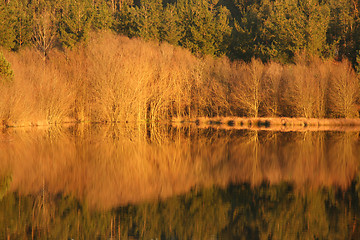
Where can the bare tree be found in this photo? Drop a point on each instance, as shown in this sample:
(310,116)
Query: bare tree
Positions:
(247,91)
(301,91)
(304,88)
(271,88)
(44,32)
(343,91)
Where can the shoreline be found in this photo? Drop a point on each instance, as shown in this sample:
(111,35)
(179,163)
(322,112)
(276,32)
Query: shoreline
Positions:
(227,123)
(273,123)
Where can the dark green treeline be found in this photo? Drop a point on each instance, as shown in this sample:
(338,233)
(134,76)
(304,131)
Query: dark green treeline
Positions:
(240,212)
(241,29)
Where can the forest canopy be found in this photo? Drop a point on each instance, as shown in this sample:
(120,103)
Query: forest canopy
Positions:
(274,30)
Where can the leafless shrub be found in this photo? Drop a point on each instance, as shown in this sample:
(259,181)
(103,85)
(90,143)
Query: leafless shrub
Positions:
(44,32)
(247,90)
(271,89)
(115,78)
(304,87)
(343,91)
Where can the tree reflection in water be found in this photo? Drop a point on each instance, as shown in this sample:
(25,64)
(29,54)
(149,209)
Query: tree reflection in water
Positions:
(178,183)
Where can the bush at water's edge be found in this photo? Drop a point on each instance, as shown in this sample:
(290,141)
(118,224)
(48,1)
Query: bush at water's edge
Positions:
(117,79)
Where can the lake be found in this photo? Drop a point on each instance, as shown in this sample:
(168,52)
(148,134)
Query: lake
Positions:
(101,181)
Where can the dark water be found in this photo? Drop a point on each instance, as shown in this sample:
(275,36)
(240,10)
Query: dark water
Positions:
(161,182)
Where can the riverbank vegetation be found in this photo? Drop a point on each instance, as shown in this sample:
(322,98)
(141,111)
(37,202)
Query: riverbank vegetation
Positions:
(114,78)
(71,60)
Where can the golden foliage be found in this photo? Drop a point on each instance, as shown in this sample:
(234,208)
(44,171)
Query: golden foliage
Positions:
(117,79)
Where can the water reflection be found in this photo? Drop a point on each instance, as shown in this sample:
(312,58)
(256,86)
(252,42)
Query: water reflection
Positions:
(78,181)
(238,212)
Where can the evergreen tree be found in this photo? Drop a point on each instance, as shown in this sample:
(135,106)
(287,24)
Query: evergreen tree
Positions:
(6,73)
(103,17)
(341,28)
(172,30)
(206,26)
(245,38)
(146,19)
(75,23)
(285,30)
(7,23)
(23,26)
(354,56)
(317,17)
(291,26)
(123,23)
(357,64)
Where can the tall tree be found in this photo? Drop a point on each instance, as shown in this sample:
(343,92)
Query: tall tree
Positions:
(103,17)
(75,22)
(146,19)
(246,33)
(291,26)
(172,30)
(341,27)
(44,32)
(7,23)
(206,26)
(23,23)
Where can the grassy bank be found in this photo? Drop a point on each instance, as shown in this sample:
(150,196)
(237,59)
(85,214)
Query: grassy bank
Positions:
(116,79)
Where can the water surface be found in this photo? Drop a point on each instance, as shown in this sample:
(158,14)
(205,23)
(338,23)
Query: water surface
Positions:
(148,182)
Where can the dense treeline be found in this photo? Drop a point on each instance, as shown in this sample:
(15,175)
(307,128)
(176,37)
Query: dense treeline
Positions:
(76,67)
(118,79)
(241,29)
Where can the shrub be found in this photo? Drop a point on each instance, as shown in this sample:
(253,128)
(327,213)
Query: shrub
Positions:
(343,91)
(6,73)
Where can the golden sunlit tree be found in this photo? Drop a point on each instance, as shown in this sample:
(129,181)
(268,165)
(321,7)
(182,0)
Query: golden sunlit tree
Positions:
(343,91)
(44,32)
(304,87)
(247,92)
(271,87)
